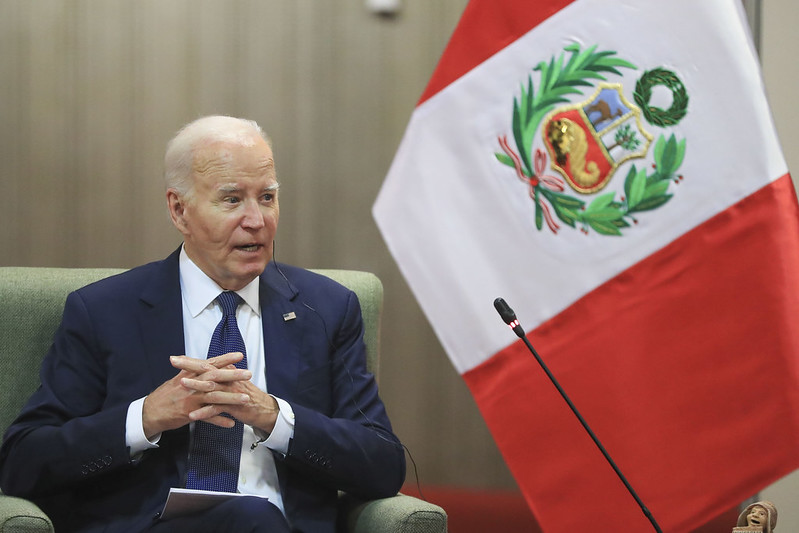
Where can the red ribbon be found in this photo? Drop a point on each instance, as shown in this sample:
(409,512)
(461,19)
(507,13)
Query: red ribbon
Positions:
(539,165)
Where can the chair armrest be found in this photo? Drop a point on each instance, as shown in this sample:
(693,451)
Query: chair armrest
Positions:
(18,515)
(399,514)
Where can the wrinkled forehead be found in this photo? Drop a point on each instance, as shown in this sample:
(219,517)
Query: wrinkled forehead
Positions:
(253,158)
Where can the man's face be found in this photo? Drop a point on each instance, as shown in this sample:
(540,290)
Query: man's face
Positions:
(757,517)
(230,218)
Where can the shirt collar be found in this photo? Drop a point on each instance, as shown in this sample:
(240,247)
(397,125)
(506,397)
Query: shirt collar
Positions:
(199,291)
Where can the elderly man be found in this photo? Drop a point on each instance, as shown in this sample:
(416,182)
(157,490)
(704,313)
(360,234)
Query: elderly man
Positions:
(215,369)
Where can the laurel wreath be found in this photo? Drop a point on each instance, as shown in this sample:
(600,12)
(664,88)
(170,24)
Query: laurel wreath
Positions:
(642,192)
(643,93)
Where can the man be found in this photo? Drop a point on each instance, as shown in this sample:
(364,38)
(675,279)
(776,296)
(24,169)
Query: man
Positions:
(121,417)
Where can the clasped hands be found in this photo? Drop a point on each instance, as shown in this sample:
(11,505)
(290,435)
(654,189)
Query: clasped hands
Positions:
(203,390)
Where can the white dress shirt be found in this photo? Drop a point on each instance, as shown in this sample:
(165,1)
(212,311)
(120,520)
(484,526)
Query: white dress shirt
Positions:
(201,314)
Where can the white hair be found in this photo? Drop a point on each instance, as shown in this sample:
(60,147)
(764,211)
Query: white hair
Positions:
(179,157)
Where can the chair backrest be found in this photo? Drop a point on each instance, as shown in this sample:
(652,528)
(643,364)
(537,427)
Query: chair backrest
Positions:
(32,301)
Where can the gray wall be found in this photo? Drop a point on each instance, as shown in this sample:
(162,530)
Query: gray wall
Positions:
(92,90)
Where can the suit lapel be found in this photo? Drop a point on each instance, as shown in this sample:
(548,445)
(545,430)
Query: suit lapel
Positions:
(161,323)
(282,333)
(161,319)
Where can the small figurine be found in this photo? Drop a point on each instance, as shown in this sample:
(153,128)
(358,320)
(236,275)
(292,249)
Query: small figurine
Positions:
(760,517)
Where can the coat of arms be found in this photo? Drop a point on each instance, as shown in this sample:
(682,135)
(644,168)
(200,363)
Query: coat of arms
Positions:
(587,142)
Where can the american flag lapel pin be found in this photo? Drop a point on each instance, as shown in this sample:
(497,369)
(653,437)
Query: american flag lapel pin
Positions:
(289,316)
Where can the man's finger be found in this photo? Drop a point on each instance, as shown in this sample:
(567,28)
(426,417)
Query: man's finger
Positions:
(198,385)
(197,366)
(226,398)
(230,358)
(225,375)
(211,414)
(221,421)
(183,362)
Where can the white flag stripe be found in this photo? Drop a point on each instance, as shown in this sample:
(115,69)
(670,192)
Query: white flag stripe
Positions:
(468,215)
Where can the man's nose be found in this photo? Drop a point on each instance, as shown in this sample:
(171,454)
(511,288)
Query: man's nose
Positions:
(253,217)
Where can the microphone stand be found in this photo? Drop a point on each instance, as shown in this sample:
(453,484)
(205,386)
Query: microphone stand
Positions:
(510,319)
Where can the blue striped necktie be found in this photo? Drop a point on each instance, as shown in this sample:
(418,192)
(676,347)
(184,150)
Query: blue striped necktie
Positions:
(216,451)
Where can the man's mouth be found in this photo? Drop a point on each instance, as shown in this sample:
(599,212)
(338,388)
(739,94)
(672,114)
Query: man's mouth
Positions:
(249,247)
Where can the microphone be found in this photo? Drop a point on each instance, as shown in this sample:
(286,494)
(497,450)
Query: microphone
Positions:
(509,317)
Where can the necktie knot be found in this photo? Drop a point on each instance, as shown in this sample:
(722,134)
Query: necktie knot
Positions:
(229,301)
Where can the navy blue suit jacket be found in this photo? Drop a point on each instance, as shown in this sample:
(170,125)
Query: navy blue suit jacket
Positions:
(66,450)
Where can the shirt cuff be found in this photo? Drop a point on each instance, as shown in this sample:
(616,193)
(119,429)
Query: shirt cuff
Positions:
(135,439)
(282,433)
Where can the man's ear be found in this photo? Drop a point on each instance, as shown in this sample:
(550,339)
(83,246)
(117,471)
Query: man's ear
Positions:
(176,205)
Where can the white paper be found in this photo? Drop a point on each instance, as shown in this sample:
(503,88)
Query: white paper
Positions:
(186,501)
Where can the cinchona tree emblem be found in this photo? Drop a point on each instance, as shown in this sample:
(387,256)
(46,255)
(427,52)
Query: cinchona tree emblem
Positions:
(584,143)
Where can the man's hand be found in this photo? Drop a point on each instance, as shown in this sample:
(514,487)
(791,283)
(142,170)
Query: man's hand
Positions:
(203,390)
(170,405)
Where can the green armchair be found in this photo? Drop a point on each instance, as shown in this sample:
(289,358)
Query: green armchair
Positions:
(33,300)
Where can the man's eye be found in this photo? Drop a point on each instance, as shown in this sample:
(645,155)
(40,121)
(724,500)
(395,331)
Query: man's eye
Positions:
(231,200)
(268,197)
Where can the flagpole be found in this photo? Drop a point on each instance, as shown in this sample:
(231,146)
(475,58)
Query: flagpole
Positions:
(510,319)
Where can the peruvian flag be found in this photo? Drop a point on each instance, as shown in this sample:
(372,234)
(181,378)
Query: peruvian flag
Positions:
(611,169)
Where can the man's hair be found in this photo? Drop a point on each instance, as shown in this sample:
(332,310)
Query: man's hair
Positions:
(179,157)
